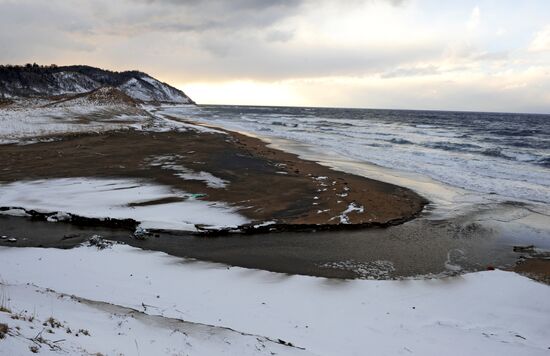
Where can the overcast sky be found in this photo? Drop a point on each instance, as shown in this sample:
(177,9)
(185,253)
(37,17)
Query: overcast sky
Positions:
(491,55)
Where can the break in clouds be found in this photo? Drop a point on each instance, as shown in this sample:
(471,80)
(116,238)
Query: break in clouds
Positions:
(361,49)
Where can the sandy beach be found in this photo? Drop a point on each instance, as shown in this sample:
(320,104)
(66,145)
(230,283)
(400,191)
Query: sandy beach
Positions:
(264,184)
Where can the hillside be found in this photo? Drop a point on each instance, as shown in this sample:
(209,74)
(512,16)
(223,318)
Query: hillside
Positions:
(53,81)
(104,96)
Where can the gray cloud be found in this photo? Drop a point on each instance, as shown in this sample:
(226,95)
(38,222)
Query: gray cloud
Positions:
(193,15)
(197,40)
(411,72)
(212,41)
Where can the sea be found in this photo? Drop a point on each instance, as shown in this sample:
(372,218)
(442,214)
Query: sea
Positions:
(499,154)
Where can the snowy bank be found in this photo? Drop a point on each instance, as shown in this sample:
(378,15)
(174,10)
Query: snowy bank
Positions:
(487,313)
(33,119)
(47,322)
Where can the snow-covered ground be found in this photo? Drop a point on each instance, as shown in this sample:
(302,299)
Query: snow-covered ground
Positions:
(47,322)
(487,313)
(168,163)
(146,88)
(119,199)
(167,116)
(31,119)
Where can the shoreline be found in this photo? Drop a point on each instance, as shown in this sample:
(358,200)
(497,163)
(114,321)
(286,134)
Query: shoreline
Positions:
(238,168)
(351,213)
(302,195)
(419,249)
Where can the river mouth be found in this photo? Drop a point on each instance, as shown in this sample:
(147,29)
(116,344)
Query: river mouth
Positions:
(459,231)
(421,248)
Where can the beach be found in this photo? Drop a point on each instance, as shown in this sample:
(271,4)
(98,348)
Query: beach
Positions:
(274,178)
(263,184)
(162,206)
(286,213)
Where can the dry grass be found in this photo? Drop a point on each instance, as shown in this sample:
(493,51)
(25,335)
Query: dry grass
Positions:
(3,330)
(5,102)
(3,303)
(53,322)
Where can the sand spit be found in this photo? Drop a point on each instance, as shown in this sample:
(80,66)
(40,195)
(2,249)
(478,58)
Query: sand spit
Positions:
(273,189)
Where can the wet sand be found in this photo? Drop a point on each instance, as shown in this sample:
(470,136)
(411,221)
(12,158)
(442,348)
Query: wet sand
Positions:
(537,268)
(264,183)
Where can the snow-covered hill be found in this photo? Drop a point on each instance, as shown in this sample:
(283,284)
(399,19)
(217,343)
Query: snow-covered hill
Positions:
(104,96)
(52,81)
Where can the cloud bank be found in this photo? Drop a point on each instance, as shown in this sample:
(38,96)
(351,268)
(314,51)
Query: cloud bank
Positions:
(471,55)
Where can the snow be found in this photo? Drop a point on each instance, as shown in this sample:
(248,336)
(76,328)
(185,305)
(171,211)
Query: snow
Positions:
(486,313)
(167,162)
(78,326)
(15,212)
(169,93)
(31,120)
(343,217)
(266,223)
(117,198)
(185,125)
(73,82)
(137,89)
(167,115)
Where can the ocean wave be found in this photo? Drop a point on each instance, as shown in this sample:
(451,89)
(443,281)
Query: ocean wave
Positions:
(514,132)
(400,141)
(544,162)
(505,154)
(495,152)
(452,146)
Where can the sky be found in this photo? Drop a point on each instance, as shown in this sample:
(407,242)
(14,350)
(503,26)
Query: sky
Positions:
(482,55)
